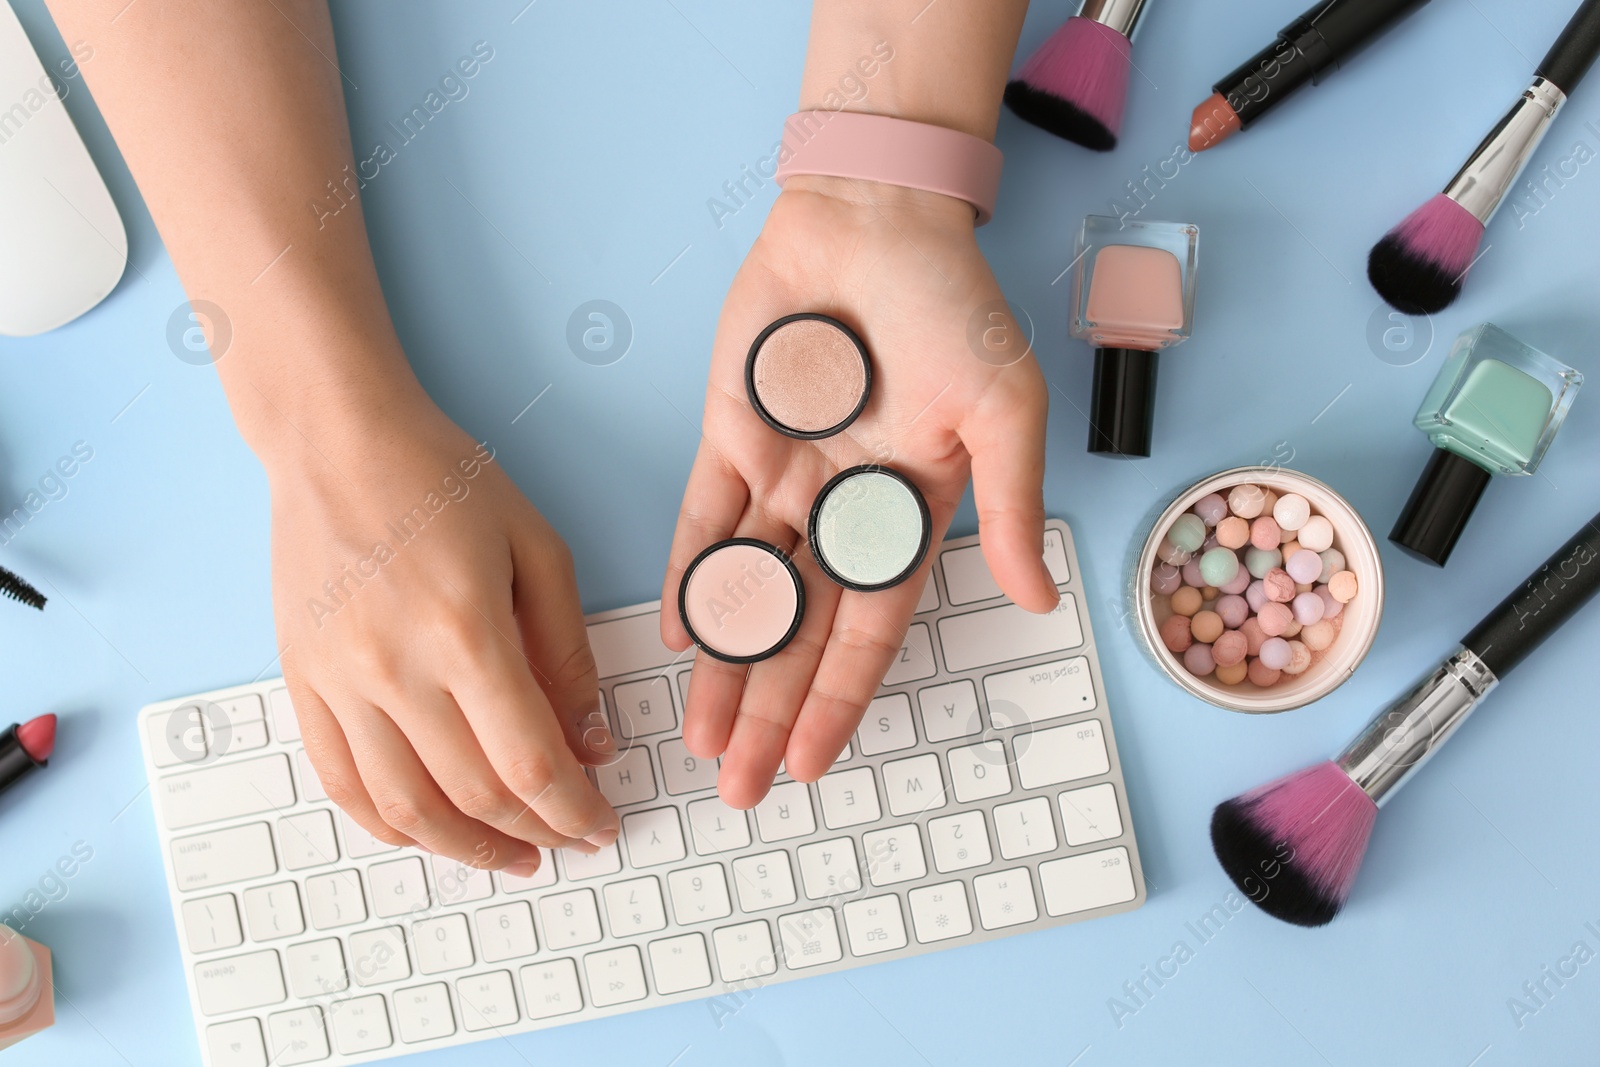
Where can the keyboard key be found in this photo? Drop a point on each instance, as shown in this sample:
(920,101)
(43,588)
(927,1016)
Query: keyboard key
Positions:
(580,867)
(310,784)
(1089,815)
(458,883)
(913,785)
(968,580)
(959,841)
(644,707)
(699,894)
(810,938)
(635,907)
(422,1013)
(551,988)
(1061,754)
(234,724)
(628,780)
(744,951)
(274,911)
(939,912)
(915,659)
(978,772)
(316,969)
(399,887)
(545,875)
(235,983)
(487,1000)
(949,710)
(505,932)
(684,771)
(894,855)
(785,812)
(630,644)
(223,856)
(361,1024)
(849,798)
(828,868)
(616,976)
(176,737)
(284,721)
(570,919)
(243,787)
(653,837)
(875,925)
(1005,898)
(680,963)
(379,956)
(717,828)
(211,923)
(996,635)
(358,844)
(764,881)
(297,1036)
(886,726)
(306,840)
(236,1044)
(335,899)
(1092,880)
(442,944)
(1039,693)
(1024,828)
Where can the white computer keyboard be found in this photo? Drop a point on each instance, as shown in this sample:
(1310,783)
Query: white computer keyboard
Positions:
(981,797)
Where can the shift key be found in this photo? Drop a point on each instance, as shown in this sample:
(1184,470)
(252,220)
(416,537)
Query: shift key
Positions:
(995,635)
(225,791)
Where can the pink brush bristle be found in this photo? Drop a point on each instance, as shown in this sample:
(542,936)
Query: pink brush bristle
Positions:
(1419,265)
(1294,845)
(1076,84)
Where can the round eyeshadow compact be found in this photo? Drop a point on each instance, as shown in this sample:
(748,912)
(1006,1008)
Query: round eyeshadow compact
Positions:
(741,600)
(808,376)
(869,528)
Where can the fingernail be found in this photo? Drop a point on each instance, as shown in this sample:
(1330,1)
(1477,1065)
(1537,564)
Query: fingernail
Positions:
(523,869)
(602,838)
(599,739)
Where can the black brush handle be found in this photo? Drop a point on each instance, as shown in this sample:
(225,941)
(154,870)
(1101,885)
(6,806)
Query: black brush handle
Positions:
(1575,50)
(1566,582)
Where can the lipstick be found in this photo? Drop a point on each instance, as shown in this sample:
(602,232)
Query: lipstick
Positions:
(25,747)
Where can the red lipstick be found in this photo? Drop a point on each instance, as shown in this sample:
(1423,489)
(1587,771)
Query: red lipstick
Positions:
(22,748)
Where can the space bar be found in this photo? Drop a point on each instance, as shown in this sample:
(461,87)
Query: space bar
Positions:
(632,643)
(995,635)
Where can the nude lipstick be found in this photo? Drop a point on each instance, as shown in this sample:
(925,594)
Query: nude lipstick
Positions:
(25,747)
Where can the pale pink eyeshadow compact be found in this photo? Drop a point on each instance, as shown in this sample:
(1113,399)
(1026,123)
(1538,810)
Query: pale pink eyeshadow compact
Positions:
(741,600)
(808,376)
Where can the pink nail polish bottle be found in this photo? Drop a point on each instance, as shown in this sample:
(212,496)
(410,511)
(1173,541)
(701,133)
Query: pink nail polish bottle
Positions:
(27,999)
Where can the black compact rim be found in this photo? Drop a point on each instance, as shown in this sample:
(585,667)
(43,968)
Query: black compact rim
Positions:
(799,605)
(767,416)
(816,513)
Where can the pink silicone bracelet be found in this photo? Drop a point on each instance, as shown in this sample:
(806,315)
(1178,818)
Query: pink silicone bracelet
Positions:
(848,144)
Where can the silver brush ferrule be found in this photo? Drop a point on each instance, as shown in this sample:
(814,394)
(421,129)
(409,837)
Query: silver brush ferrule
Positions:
(1410,730)
(1119,15)
(1490,172)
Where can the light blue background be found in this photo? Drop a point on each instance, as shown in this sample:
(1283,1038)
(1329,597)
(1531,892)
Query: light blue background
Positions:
(590,144)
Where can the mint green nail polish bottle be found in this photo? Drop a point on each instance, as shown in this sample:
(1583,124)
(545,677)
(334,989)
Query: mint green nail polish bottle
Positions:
(1494,409)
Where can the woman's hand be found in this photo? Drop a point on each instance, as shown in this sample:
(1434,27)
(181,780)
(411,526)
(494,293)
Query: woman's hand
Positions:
(433,642)
(955,393)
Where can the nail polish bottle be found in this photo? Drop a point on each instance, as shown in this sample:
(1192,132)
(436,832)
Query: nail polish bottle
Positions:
(1132,296)
(1494,409)
(27,999)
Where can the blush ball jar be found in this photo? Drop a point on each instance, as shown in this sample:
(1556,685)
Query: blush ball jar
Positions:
(1362,614)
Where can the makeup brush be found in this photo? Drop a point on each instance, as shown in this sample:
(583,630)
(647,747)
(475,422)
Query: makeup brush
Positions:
(17,589)
(1294,845)
(1076,84)
(1420,264)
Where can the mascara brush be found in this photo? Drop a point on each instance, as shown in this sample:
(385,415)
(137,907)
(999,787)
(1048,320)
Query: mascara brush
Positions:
(14,587)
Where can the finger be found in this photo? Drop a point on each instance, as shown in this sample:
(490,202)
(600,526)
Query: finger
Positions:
(525,744)
(408,799)
(773,695)
(713,501)
(868,633)
(439,735)
(544,594)
(330,756)
(1005,438)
